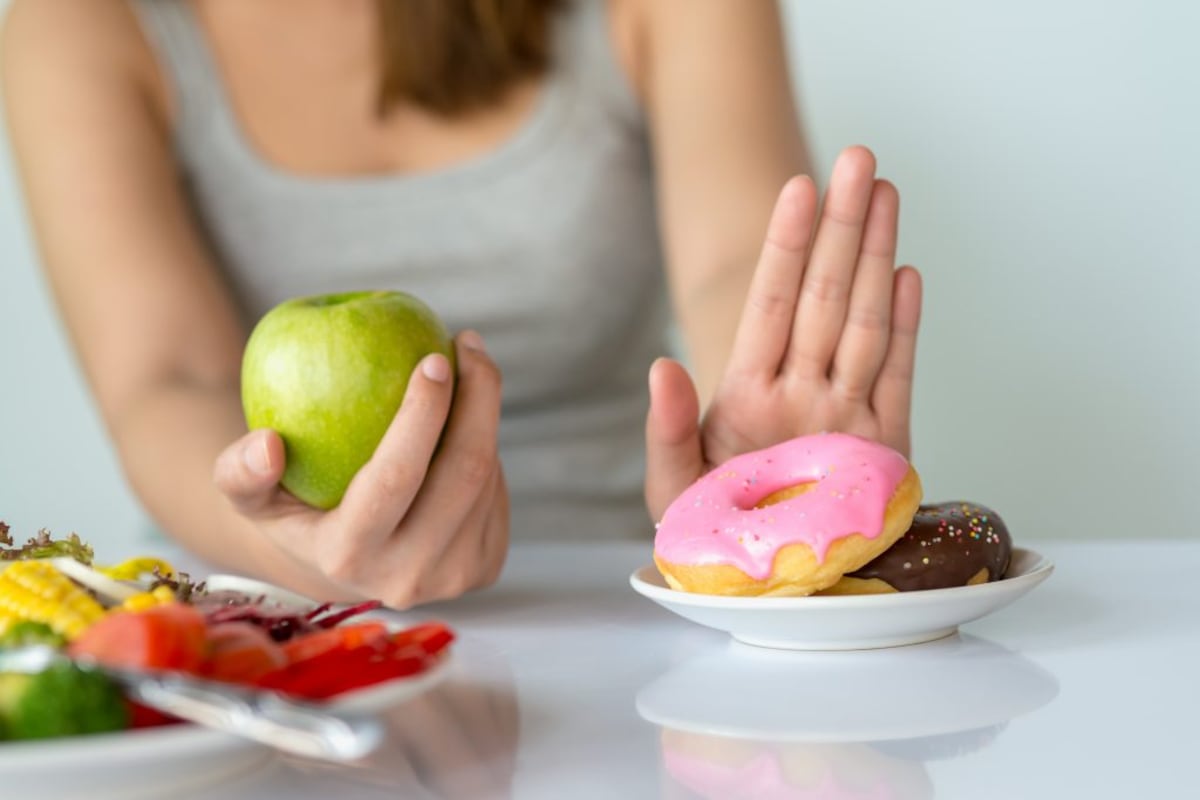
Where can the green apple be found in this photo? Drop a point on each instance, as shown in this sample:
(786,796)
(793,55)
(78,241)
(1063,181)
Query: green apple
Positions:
(328,373)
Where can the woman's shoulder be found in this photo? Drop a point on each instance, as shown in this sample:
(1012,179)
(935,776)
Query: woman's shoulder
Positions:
(67,46)
(649,35)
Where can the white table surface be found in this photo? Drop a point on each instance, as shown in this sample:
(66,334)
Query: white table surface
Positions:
(1087,687)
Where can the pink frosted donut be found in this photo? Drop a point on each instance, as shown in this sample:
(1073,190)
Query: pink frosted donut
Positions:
(787,520)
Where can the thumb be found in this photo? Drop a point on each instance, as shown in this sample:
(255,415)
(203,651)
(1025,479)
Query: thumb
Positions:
(248,471)
(674,458)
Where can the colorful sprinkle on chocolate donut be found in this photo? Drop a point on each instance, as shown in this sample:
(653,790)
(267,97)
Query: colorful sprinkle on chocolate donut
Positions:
(949,544)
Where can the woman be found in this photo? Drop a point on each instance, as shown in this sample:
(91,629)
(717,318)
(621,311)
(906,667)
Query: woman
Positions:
(544,174)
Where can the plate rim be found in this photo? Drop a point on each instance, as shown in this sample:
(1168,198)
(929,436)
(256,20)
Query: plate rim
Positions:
(1040,569)
(175,736)
(228,581)
(193,738)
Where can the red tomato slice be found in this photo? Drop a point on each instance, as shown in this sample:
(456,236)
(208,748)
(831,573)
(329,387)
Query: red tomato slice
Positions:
(336,671)
(141,716)
(330,662)
(429,638)
(346,637)
(170,636)
(240,652)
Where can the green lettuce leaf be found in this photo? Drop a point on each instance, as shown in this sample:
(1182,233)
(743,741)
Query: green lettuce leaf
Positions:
(43,546)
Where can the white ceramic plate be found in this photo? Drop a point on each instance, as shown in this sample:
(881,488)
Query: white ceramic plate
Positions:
(256,588)
(851,622)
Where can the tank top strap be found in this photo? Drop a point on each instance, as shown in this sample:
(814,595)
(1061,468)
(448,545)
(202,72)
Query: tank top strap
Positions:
(174,34)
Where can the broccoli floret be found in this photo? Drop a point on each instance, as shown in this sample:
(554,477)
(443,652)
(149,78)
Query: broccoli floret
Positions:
(28,632)
(62,700)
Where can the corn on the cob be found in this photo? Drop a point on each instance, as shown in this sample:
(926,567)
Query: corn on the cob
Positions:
(35,590)
(160,595)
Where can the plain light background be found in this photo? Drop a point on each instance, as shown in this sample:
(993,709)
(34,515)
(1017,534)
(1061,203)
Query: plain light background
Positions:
(1047,162)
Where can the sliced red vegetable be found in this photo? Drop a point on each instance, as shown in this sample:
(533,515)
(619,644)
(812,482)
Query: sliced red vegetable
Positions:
(170,636)
(339,671)
(336,665)
(346,637)
(430,637)
(240,652)
(239,643)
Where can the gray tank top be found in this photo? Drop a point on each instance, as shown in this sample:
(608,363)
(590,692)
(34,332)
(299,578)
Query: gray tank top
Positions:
(547,245)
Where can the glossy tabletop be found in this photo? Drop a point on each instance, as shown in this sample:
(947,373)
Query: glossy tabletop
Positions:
(567,684)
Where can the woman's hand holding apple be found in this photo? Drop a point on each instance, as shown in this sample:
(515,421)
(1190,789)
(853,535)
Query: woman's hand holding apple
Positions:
(425,519)
(827,338)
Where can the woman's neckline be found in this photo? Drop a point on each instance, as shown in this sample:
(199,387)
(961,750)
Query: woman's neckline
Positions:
(521,142)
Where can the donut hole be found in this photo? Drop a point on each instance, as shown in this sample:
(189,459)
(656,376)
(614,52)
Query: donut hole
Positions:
(786,493)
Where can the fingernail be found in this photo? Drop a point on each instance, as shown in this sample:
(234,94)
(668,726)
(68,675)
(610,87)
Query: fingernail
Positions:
(256,457)
(472,341)
(436,368)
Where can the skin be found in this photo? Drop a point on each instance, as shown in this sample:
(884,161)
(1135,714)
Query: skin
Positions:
(824,339)
(827,338)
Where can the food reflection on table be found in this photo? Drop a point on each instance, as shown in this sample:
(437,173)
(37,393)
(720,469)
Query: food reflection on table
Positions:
(456,741)
(732,769)
(746,722)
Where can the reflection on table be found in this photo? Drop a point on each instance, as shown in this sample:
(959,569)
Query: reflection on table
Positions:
(714,767)
(748,722)
(456,741)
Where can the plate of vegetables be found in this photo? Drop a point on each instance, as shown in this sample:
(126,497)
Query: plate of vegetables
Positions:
(70,726)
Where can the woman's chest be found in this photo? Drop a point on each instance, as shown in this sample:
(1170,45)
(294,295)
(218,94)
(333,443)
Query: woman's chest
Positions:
(548,247)
(302,82)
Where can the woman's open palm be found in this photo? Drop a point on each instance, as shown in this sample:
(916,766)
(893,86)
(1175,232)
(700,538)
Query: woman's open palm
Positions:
(827,338)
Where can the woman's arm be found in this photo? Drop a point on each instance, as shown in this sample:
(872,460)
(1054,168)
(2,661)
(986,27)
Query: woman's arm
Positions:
(796,326)
(154,331)
(160,343)
(725,136)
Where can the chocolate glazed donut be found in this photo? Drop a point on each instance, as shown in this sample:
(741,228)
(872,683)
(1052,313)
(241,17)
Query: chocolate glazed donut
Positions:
(949,544)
